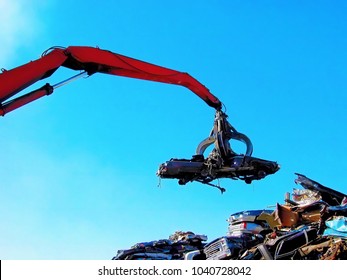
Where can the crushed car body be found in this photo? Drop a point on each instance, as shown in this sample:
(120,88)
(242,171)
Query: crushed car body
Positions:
(222,162)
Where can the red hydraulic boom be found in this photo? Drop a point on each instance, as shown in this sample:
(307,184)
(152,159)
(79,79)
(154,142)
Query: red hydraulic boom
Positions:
(222,162)
(89,60)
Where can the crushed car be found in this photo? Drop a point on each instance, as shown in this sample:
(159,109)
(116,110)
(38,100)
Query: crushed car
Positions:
(222,162)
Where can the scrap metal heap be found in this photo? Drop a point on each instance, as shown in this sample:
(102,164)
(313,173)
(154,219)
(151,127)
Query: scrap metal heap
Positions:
(311,224)
(176,247)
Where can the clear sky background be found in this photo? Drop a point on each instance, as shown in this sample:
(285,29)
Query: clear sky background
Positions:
(78,167)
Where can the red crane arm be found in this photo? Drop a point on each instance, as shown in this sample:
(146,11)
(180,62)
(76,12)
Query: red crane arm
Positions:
(91,60)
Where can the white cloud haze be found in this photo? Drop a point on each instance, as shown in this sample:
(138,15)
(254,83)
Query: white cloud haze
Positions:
(18,27)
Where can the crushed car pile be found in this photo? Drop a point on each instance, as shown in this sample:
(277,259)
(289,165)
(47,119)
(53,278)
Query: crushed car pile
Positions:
(177,247)
(311,224)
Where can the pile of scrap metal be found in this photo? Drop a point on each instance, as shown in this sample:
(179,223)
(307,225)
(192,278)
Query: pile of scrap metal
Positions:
(310,225)
(177,247)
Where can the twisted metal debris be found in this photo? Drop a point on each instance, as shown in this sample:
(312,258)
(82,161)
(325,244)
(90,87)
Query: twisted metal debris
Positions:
(311,224)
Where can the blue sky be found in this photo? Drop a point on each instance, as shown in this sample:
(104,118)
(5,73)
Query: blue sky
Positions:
(78,167)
